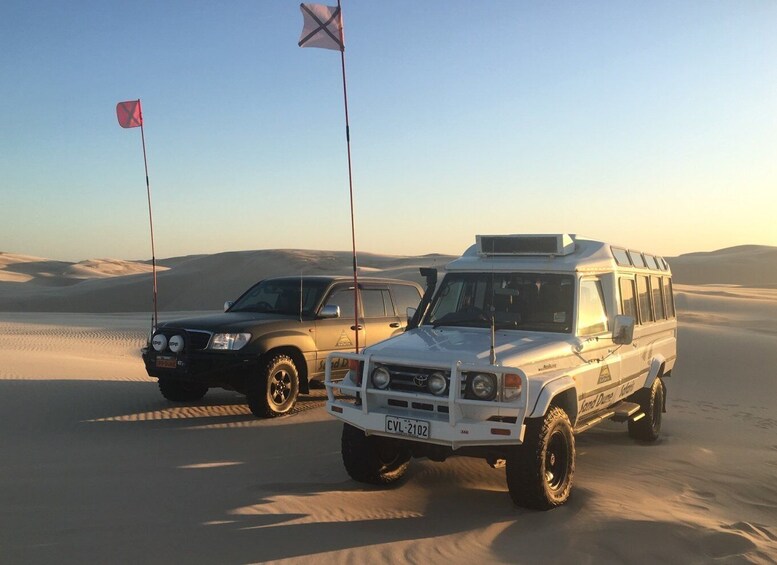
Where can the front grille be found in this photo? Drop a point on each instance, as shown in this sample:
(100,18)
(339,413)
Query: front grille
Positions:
(198,340)
(411,379)
(415,379)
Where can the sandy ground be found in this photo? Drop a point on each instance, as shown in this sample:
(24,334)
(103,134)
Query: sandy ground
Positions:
(97,468)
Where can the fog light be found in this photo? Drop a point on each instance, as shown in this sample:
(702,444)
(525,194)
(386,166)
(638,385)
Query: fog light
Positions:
(159,342)
(381,378)
(176,344)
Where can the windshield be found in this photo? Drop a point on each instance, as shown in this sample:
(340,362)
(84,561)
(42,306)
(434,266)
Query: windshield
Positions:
(281,297)
(522,301)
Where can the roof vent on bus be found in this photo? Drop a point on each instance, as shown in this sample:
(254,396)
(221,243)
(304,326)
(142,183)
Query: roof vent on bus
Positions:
(556,244)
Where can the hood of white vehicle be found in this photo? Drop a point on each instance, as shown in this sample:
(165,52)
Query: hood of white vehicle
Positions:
(472,345)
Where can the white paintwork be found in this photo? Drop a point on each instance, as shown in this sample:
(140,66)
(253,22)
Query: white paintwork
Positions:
(591,370)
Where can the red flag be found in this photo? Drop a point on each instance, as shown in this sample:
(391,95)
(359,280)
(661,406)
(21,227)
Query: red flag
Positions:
(129,114)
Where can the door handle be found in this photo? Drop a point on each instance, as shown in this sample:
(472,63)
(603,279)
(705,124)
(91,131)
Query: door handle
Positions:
(359,327)
(394,324)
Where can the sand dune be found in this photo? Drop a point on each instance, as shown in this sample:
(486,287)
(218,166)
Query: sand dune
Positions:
(745,265)
(97,467)
(198,282)
(205,282)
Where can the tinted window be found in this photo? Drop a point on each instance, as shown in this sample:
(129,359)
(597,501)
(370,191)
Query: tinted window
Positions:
(342,297)
(281,297)
(405,296)
(636,259)
(628,298)
(376,303)
(669,298)
(643,298)
(591,315)
(651,262)
(621,257)
(522,301)
(658,299)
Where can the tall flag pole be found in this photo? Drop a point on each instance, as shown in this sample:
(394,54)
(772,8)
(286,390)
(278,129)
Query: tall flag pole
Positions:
(130,115)
(323,28)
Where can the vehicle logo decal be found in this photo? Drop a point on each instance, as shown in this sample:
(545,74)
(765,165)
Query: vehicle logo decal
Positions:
(420,380)
(604,375)
(344,340)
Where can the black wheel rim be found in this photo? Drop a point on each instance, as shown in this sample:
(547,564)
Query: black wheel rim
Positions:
(280,387)
(557,460)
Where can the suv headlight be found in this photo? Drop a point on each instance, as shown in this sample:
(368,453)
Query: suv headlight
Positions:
(483,386)
(230,342)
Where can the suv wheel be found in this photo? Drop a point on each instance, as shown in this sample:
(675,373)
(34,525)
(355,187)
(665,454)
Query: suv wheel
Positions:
(181,391)
(277,390)
(652,402)
(539,472)
(373,459)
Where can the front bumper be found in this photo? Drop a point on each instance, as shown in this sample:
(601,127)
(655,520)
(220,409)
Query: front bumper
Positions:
(453,421)
(215,369)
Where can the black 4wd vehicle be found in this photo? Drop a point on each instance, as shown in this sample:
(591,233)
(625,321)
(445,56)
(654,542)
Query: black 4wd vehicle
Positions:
(273,341)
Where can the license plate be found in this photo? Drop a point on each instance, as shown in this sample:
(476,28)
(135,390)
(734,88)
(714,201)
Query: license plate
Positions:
(407,427)
(166,362)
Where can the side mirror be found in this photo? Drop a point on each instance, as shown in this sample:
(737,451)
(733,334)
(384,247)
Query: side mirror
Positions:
(329,311)
(227,305)
(623,332)
(410,313)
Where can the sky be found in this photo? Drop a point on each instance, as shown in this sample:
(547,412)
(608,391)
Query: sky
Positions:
(652,125)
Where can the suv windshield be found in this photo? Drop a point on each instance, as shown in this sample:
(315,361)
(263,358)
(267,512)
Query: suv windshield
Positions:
(523,301)
(281,297)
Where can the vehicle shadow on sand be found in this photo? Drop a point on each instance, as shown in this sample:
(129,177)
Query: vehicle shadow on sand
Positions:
(209,482)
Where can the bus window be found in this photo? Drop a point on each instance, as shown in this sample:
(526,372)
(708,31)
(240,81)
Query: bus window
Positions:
(643,297)
(628,298)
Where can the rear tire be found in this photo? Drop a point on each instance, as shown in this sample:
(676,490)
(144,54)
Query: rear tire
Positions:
(373,459)
(181,391)
(651,400)
(540,471)
(276,392)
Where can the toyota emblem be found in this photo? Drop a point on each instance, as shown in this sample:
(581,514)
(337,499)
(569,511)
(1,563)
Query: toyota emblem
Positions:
(420,380)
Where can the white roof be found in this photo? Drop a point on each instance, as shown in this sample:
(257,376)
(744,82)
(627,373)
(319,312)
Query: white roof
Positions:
(588,255)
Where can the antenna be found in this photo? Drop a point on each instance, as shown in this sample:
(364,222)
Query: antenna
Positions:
(492,352)
(301,270)
(492,356)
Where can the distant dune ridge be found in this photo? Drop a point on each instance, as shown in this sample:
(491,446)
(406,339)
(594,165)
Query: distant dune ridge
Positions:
(204,282)
(195,282)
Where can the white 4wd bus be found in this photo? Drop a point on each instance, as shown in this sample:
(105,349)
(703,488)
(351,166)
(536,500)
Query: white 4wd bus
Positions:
(526,341)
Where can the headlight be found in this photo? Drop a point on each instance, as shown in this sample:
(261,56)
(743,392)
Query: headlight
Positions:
(231,342)
(159,342)
(437,384)
(381,378)
(483,386)
(176,343)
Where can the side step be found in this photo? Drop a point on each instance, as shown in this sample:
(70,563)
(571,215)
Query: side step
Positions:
(618,413)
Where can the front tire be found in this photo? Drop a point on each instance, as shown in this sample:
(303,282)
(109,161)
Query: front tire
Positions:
(373,459)
(539,472)
(652,402)
(181,391)
(277,391)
